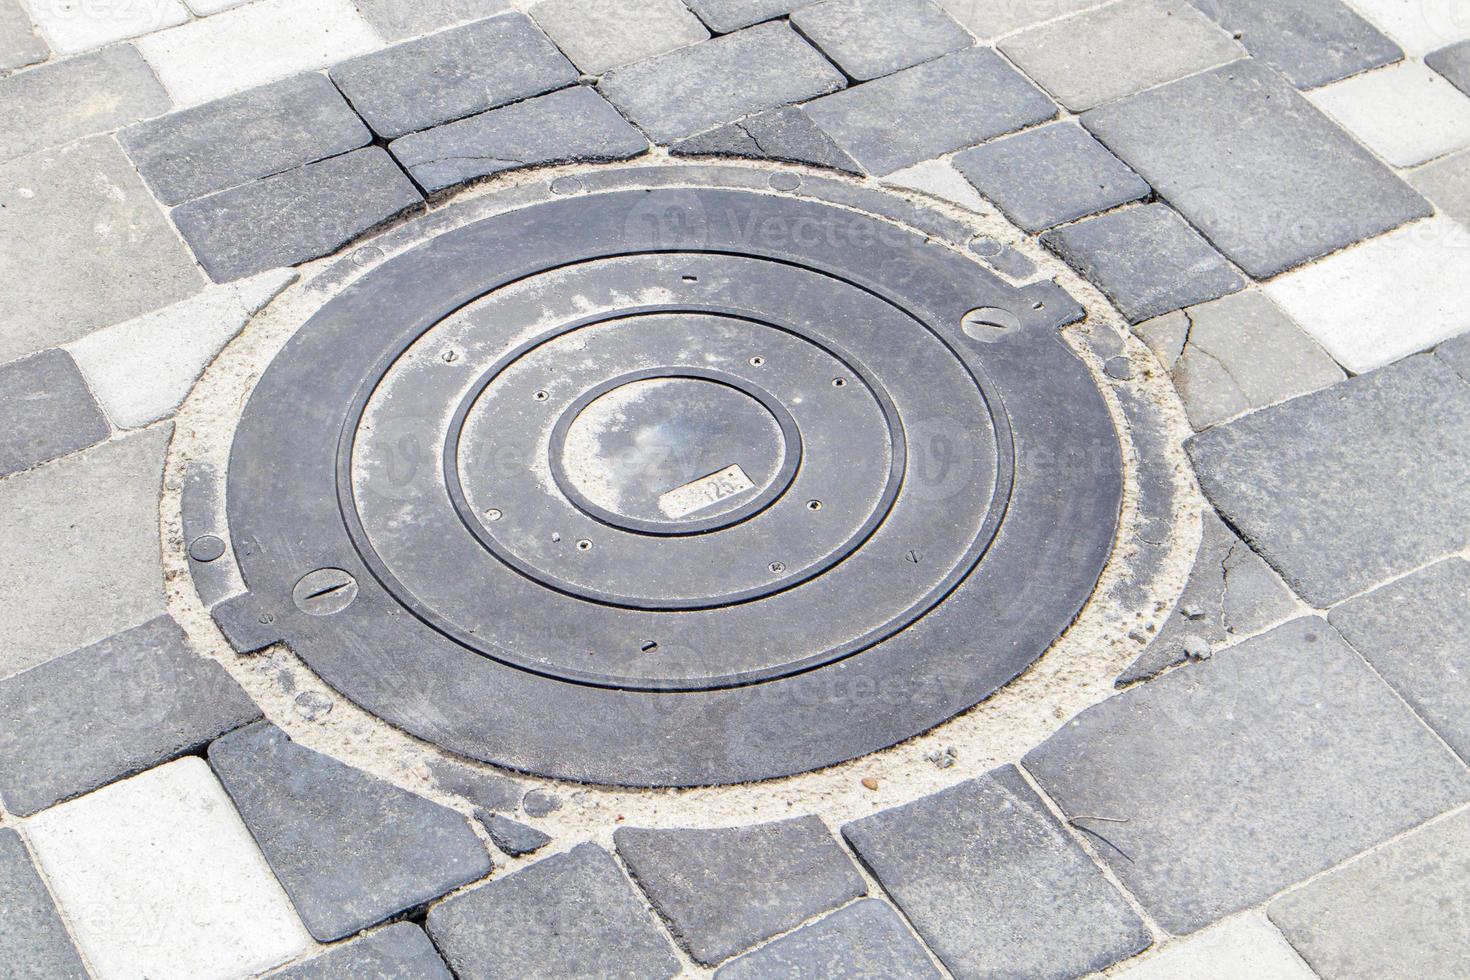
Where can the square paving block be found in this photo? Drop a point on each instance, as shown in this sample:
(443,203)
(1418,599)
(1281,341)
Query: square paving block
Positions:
(1446,182)
(602,34)
(19,44)
(1311,42)
(870,38)
(398,20)
(930,110)
(1049,176)
(77,97)
(1402,911)
(159,878)
(75,25)
(865,941)
(1240,776)
(1119,49)
(1245,948)
(724,16)
(399,952)
(1406,114)
(573,915)
(1146,259)
(34,942)
(992,18)
(46,411)
(1255,167)
(995,885)
(1419,25)
(1453,63)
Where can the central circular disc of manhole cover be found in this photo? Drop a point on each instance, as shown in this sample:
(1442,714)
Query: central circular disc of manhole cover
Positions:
(675,481)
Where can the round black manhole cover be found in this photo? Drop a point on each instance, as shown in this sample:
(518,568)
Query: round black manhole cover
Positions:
(660,484)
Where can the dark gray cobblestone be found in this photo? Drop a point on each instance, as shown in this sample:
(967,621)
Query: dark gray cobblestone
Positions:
(33,942)
(871,38)
(785,135)
(82,96)
(399,952)
(1311,42)
(725,16)
(864,941)
(46,411)
(514,839)
(1453,63)
(19,44)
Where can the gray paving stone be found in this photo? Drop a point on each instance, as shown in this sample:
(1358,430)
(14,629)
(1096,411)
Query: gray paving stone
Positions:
(295,216)
(573,915)
(1446,182)
(701,881)
(98,248)
(46,411)
(244,137)
(572,124)
(786,135)
(1146,259)
(1402,911)
(602,34)
(1456,353)
(452,74)
(1453,63)
(109,711)
(1253,165)
(540,803)
(1231,592)
(350,849)
(19,44)
(724,16)
(79,545)
(995,885)
(1247,773)
(1311,42)
(34,942)
(992,18)
(513,838)
(1119,49)
(82,96)
(688,91)
(399,952)
(933,109)
(1344,488)
(865,941)
(871,38)
(1049,176)
(491,791)
(396,20)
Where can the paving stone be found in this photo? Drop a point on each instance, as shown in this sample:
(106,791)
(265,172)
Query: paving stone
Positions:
(1446,182)
(1399,912)
(244,137)
(933,109)
(1253,165)
(108,711)
(98,249)
(46,411)
(572,124)
(1247,773)
(602,34)
(1344,488)
(1419,25)
(452,74)
(399,952)
(79,545)
(513,838)
(1231,592)
(1406,114)
(142,370)
(398,20)
(871,38)
(701,881)
(787,135)
(1244,948)
(1051,175)
(296,216)
(684,92)
(992,18)
(1118,50)
(540,803)
(573,915)
(864,941)
(140,871)
(994,885)
(1384,299)
(724,16)
(259,42)
(351,850)
(77,97)
(1311,42)
(939,179)
(1146,259)
(491,791)
(19,44)
(34,942)
(1453,63)
(1456,354)
(75,25)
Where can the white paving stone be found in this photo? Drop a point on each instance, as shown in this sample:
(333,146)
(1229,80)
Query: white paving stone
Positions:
(160,880)
(1407,114)
(1386,298)
(939,178)
(1419,26)
(142,369)
(1247,948)
(254,44)
(80,25)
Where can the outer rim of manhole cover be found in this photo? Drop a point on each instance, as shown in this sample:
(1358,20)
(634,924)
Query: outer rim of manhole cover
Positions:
(1036,545)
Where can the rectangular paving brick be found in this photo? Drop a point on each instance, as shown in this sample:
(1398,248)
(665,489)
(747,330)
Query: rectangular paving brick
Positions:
(46,411)
(995,885)
(1263,174)
(1419,25)
(1311,42)
(78,97)
(865,941)
(20,45)
(572,124)
(706,85)
(1242,775)
(602,34)
(34,942)
(1406,114)
(456,73)
(244,137)
(930,110)
(400,19)
(72,27)
(399,952)
(1347,487)
(108,711)
(871,38)
(1453,63)
(724,16)
(295,216)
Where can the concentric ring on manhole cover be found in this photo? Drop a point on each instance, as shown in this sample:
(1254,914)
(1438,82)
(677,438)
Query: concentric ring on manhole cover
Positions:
(661,484)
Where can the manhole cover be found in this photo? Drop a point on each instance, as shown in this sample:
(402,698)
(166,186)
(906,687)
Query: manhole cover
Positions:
(661,484)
